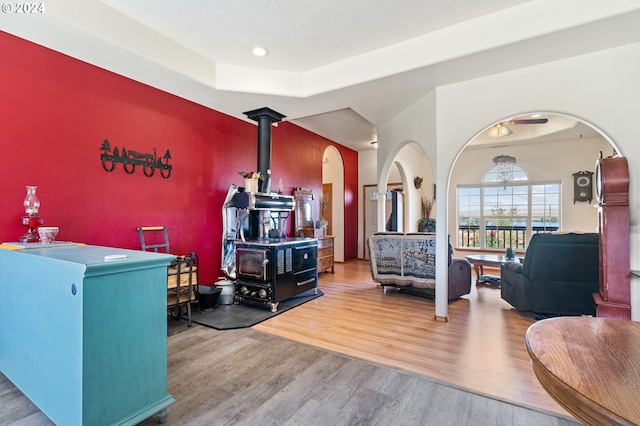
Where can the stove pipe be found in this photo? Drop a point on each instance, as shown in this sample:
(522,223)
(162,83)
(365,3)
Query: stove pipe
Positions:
(265,117)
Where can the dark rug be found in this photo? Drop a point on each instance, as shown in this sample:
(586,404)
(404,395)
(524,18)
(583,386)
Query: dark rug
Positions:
(226,317)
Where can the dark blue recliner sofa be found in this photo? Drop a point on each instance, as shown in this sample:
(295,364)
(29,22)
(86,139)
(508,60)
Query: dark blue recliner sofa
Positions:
(559,274)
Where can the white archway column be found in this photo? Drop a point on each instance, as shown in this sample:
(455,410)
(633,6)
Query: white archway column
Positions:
(442,248)
(382,183)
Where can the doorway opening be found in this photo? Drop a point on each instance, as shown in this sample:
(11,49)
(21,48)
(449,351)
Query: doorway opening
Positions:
(332,184)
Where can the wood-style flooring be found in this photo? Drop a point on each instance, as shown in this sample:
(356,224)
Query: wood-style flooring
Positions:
(480,349)
(357,355)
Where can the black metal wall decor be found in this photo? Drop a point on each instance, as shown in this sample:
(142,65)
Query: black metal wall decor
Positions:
(417,182)
(130,159)
(582,187)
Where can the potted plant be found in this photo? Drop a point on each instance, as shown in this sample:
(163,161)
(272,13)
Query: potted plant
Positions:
(426,224)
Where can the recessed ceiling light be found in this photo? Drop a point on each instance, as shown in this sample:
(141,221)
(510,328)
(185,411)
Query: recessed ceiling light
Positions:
(260,51)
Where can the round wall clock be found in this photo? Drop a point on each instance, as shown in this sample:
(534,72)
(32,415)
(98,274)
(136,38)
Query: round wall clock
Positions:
(583,181)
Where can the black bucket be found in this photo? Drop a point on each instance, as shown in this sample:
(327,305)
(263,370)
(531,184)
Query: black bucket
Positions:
(208,297)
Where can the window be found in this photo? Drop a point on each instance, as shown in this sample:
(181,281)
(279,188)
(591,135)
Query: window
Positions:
(493,215)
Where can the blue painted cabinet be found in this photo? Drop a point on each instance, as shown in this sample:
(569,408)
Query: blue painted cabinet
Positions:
(86,339)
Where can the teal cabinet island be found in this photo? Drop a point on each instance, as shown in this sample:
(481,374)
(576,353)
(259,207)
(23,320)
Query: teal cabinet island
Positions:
(83,332)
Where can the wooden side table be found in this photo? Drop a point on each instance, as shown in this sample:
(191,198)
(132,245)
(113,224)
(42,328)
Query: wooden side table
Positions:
(589,366)
(325,254)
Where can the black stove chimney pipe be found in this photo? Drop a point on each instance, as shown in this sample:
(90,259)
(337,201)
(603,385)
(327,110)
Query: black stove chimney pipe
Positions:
(265,117)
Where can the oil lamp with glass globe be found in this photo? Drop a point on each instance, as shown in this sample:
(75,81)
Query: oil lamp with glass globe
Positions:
(31,220)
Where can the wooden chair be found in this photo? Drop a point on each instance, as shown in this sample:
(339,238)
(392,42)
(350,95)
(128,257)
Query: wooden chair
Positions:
(180,273)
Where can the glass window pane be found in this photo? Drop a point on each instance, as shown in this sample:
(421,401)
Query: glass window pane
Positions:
(537,198)
(490,191)
(493,174)
(505,233)
(503,210)
(520,190)
(468,217)
(519,174)
(505,202)
(552,199)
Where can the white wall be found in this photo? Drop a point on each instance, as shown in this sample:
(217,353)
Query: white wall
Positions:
(601,88)
(415,124)
(367,168)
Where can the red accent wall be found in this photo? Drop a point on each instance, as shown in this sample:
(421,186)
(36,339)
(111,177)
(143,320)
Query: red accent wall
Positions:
(56,111)
(350,160)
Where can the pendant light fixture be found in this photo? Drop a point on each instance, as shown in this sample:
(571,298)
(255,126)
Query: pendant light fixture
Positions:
(505,164)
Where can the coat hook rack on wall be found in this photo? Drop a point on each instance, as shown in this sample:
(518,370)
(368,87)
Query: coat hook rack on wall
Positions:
(130,159)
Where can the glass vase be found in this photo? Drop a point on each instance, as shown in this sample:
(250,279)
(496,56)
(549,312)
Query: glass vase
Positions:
(31,220)
(322,224)
(31,201)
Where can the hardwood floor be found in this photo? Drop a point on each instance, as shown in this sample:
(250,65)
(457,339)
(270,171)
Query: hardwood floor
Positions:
(358,355)
(481,349)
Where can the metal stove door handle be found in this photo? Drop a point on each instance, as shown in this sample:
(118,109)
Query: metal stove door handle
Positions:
(244,218)
(264,267)
(306,282)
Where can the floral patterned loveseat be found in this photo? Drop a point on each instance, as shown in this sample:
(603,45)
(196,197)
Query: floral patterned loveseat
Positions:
(407,261)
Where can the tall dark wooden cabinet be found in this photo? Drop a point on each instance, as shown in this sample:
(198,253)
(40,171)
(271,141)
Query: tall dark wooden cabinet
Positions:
(612,192)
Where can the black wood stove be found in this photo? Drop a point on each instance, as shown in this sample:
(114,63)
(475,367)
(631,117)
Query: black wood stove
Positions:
(270,271)
(268,266)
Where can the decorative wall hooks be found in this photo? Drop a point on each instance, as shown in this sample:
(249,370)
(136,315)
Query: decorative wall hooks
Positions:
(130,159)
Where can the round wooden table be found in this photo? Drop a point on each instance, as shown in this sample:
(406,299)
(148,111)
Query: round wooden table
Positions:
(590,366)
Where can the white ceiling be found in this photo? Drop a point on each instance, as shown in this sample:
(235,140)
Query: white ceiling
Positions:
(301,35)
(558,128)
(336,67)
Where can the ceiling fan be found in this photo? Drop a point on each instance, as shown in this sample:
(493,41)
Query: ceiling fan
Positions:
(501,128)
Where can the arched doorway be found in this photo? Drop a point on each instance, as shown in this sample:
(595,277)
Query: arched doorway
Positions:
(417,183)
(552,152)
(371,198)
(333,197)
(559,153)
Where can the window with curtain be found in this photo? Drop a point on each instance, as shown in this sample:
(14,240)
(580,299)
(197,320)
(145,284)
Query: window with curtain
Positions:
(497,215)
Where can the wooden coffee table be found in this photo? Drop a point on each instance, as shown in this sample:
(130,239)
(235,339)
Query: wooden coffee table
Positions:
(589,366)
(479,261)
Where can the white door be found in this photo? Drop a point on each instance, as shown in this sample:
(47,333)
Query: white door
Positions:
(371,214)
